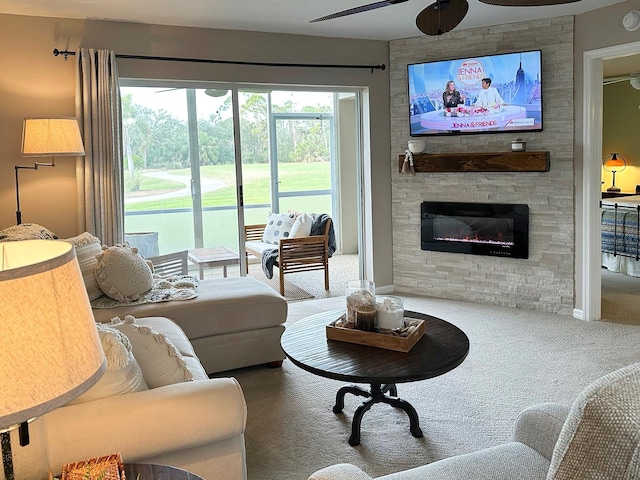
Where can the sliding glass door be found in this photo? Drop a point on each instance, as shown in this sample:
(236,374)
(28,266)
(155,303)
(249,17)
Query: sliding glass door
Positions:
(180,181)
(192,180)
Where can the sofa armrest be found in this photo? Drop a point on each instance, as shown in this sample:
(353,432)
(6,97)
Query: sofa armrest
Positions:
(341,471)
(539,427)
(148,423)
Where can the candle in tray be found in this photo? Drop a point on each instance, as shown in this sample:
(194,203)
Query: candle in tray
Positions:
(359,293)
(390,312)
(366,318)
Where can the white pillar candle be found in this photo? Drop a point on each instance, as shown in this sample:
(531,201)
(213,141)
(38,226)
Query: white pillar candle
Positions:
(390,312)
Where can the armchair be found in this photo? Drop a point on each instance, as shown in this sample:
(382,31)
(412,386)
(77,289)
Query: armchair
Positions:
(597,437)
(295,254)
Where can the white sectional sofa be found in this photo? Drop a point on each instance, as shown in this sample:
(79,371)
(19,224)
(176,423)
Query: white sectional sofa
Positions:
(197,424)
(231,323)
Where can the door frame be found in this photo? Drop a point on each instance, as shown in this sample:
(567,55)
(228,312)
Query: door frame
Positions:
(276,195)
(592,174)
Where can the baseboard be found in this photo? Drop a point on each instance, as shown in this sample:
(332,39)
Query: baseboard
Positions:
(578,313)
(386,290)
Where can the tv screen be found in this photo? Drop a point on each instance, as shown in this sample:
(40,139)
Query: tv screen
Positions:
(495,93)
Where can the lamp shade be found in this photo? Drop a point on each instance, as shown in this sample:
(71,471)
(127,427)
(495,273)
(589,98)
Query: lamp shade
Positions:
(50,352)
(614,162)
(45,137)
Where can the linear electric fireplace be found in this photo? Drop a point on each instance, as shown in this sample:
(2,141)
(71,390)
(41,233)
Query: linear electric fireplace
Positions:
(495,229)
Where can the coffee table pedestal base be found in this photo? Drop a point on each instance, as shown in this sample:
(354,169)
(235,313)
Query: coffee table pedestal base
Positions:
(376,394)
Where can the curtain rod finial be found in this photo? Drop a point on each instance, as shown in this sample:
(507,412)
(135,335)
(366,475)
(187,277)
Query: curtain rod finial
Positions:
(65,53)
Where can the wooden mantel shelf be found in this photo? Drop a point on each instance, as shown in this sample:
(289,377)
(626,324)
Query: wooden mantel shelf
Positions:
(479,162)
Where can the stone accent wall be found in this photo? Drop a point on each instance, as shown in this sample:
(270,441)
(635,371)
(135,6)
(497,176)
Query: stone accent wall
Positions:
(544,281)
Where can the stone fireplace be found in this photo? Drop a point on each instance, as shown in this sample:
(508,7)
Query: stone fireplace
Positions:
(541,276)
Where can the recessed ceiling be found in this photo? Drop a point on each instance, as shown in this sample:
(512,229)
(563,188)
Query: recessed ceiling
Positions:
(287,16)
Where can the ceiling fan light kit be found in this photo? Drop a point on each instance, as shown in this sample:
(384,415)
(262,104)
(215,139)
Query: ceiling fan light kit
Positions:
(444,15)
(631,21)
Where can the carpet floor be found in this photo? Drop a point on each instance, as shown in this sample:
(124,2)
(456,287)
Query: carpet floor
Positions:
(292,292)
(516,358)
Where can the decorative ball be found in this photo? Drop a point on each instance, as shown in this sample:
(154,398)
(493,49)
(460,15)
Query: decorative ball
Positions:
(122,273)
(417,146)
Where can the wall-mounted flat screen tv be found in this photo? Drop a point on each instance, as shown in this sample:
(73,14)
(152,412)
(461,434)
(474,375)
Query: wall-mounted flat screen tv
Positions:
(494,93)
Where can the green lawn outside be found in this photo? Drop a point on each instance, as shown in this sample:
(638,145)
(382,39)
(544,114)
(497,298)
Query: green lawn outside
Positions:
(257,185)
(221,226)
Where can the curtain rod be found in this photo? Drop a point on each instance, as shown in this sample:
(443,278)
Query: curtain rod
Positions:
(66,53)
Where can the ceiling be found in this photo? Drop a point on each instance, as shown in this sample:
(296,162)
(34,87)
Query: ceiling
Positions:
(287,16)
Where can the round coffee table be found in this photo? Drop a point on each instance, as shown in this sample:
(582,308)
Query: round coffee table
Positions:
(441,349)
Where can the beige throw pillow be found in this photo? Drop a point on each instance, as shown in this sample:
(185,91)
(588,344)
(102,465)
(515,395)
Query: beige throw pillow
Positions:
(160,361)
(123,373)
(88,248)
(302,226)
(26,231)
(122,273)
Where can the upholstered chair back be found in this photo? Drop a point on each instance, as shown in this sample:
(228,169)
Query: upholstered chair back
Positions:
(601,437)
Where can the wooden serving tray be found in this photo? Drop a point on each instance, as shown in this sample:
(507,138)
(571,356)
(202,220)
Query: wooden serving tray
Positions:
(374,339)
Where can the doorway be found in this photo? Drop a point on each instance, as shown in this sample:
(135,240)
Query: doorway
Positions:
(591,186)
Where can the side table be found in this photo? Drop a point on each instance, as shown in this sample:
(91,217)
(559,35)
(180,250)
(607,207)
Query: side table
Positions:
(213,257)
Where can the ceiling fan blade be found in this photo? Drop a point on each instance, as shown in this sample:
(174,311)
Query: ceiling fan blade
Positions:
(360,9)
(442,16)
(526,3)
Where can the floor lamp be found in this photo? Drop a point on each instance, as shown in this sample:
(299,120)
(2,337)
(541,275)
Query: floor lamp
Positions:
(47,137)
(50,352)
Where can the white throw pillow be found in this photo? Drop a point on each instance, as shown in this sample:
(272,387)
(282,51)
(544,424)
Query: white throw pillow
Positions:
(123,373)
(26,231)
(278,226)
(302,226)
(160,361)
(122,273)
(88,248)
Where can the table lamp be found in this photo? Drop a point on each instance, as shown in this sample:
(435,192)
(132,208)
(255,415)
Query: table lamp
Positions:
(50,352)
(614,163)
(47,137)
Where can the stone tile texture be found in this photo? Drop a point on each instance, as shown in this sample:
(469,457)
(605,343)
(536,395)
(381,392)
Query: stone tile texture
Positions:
(544,281)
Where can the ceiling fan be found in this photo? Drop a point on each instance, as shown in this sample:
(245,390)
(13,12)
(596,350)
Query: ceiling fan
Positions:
(443,15)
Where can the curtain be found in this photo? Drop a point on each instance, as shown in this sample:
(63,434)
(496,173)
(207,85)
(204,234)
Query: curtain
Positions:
(99,172)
